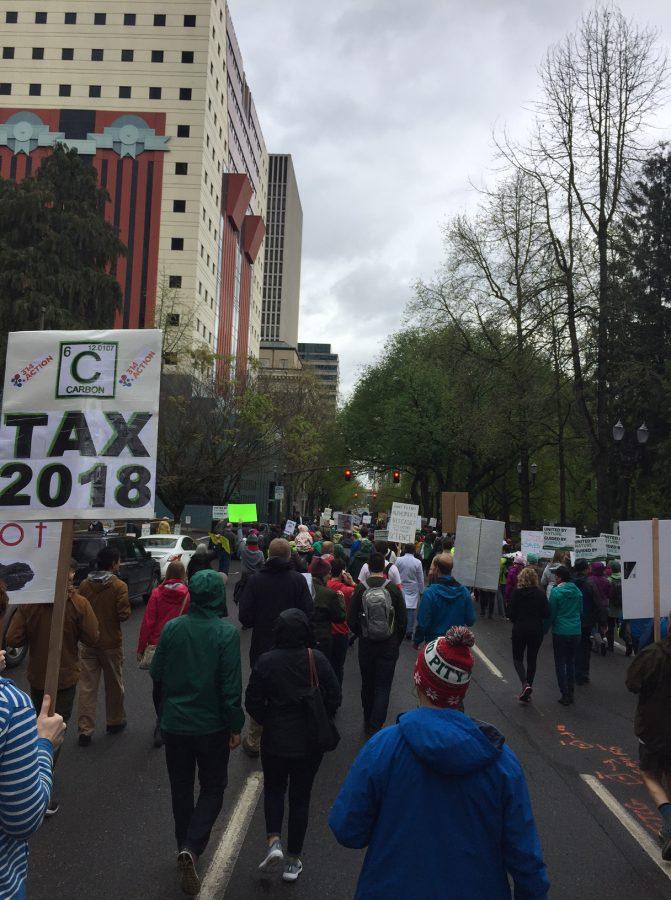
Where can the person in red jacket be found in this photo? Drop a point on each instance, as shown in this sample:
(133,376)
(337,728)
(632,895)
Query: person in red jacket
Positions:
(169,600)
(342,581)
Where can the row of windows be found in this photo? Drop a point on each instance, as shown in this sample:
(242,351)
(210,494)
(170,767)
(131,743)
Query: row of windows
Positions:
(95,90)
(70,18)
(98,54)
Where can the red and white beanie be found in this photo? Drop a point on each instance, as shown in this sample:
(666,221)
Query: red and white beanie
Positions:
(443,667)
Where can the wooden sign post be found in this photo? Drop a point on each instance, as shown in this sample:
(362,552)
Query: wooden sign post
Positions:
(58,614)
(656,625)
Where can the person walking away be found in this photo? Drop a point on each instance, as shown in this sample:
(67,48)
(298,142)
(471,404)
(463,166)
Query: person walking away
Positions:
(412,580)
(591,611)
(615,609)
(445,603)
(197,664)
(278,586)
(427,550)
(164,526)
(548,577)
(377,616)
(519,562)
(504,565)
(203,558)
(361,536)
(456,765)
(359,557)
(31,626)
(390,568)
(275,698)
(649,676)
(329,606)
(318,543)
(601,586)
(343,582)
(108,596)
(346,543)
(169,599)
(251,562)
(566,602)
(528,611)
(303,542)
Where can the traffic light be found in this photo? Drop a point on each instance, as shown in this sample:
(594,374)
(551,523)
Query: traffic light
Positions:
(397,476)
(348,474)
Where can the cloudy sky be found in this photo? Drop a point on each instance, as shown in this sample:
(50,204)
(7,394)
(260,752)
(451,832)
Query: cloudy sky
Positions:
(387,107)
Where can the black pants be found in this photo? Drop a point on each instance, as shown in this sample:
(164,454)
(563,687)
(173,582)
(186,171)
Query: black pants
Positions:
(530,642)
(157,697)
(339,645)
(564,646)
(377,662)
(325,645)
(487,599)
(183,752)
(299,774)
(583,654)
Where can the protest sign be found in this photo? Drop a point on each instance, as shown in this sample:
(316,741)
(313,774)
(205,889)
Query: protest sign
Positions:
(29,560)
(590,548)
(612,545)
(242,512)
(403,523)
(477,554)
(453,505)
(219,512)
(343,521)
(419,523)
(433,522)
(146,529)
(328,513)
(532,542)
(80,424)
(289,527)
(646,570)
(366,520)
(356,520)
(381,535)
(177,528)
(557,538)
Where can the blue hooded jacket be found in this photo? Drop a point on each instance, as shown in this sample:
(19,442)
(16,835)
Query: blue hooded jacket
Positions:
(443,807)
(444,603)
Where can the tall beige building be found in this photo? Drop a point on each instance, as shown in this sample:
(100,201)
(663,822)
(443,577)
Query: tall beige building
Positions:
(155,95)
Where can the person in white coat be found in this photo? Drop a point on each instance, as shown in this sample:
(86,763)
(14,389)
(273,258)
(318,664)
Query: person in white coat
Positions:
(412,580)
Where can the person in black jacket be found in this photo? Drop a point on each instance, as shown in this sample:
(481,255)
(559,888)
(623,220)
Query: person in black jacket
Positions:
(527,610)
(274,699)
(589,618)
(278,586)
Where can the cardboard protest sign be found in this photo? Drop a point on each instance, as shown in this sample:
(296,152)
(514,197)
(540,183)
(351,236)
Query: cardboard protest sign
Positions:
(402,524)
(590,548)
(557,538)
(612,545)
(290,527)
(80,424)
(343,521)
(477,554)
(532,542)
(453,505)
(29,560)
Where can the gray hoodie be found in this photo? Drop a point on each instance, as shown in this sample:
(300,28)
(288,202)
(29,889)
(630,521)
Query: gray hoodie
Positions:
(251,560)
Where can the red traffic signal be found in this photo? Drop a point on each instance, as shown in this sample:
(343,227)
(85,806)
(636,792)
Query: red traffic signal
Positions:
(397,476)
(348,474)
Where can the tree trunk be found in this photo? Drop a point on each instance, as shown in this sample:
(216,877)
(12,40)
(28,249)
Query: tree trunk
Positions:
(525,490)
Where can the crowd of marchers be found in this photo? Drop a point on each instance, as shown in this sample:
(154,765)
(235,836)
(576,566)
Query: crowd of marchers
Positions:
(309,600)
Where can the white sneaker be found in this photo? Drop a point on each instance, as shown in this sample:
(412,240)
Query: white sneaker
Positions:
(274,856)
(292,869)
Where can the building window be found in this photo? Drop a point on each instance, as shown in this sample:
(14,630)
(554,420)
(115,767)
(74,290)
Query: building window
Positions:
(38,52)
(5,88)
(94,90)
(127,55)
(175,281)
(70,18)
(185,93)
(68,53)
(172,319)
(8,53)
(154,93)
(40,18)
(35,90)
(157,56)
(181,168)
(187,56)
(179,206)
(189,21)
(11,18)
(64,90)
(177,244)
(124,92)
(97,55)
(159,19)
(129,19)
(99,18)
(170,358)
(183,131)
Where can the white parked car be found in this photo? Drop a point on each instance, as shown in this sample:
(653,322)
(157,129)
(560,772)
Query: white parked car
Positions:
(167,548)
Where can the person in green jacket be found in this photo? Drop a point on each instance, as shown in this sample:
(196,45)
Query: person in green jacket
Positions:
(564,622)
(197,663)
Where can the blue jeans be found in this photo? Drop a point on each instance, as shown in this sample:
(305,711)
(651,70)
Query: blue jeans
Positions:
(410,627)
(564,646)
(224,561)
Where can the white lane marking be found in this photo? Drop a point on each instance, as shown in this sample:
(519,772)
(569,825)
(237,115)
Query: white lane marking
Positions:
(487,661)
(226,855)
(637,831)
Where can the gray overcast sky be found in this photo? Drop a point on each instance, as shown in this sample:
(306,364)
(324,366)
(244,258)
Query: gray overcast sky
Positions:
(387,107)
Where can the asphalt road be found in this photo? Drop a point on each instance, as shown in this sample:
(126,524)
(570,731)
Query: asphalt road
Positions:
(113,836)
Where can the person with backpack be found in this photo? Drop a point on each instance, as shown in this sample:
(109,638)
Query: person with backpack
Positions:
(343,582)
(445,603)
(275,698)
(377,615)
(329,606)
(602,591)
(390,568)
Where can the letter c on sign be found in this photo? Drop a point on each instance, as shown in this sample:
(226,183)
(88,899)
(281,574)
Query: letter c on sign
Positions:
(3,539)
(74,368)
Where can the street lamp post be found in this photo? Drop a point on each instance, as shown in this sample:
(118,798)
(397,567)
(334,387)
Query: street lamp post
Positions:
(631,454)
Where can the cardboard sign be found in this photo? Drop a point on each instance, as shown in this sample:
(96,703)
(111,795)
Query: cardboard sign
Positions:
(146,529)
(532,542)
(242,512)
(453,505)
(403,523)
(29,560)
(590,548)
(80,424)
(366,520)
(290,527)
(557,538)
(381,535)
(433,522)
(477,555)
(343,521)
(612,545)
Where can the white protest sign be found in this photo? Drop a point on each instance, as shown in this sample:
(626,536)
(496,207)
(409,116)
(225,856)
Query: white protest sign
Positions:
(356,519)
(187,520)
(419,523)
(402,523)
(290,527)
(29,560)
(477,554)
(381,535)
(557,538)
(433,522)
(220,512)
(327,513)
(80,424)
(590,548)
(532,542)
(343,521)
(177,528)
(146,529)
(636,547)
(612,545)
(366,520)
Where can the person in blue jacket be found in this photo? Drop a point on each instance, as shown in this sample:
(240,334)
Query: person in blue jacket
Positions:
(444,603)
(451,783)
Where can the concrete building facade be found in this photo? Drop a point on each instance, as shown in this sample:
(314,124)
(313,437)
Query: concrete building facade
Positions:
(155,96)
(324,364)
(282,269)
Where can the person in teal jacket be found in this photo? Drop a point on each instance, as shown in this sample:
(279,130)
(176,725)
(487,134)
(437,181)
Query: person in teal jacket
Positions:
(197,663)
(564,622)
(444,603)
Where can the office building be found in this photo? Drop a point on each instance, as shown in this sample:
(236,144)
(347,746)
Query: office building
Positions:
(318,359)
(282,269)
(155,96)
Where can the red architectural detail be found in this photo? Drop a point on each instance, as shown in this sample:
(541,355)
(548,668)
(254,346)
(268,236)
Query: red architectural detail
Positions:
(242,350)
(236,192)
(253,232)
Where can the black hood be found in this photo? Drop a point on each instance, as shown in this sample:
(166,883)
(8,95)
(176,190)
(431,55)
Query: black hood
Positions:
(293,629)
(275,564)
